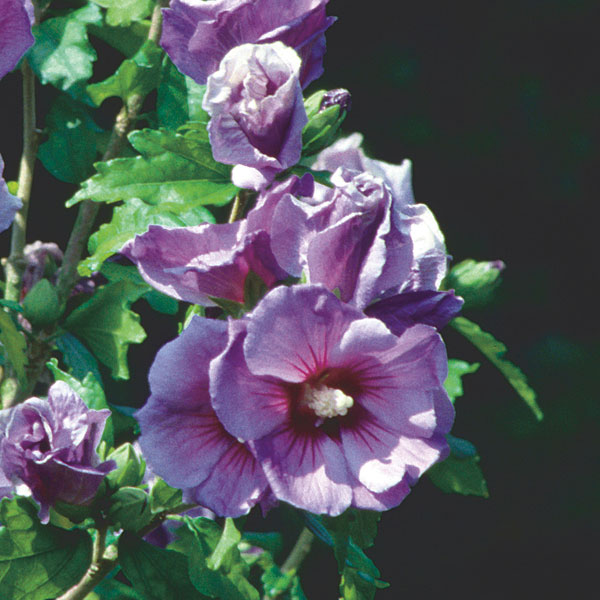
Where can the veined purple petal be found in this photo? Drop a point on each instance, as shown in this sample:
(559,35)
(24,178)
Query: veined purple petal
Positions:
(16,19)
(182,438)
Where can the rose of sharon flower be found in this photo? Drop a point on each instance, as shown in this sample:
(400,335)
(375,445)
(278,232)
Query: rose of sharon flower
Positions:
(49,447)
(196,35)
(9,204)
(195,263)
(16,19)
(429,264)
(338,411)
(182,438)
(257,112)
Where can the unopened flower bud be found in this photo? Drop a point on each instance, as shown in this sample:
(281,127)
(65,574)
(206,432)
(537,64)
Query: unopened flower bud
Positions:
(338,97)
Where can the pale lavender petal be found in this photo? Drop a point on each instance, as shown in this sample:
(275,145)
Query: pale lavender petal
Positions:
(292,349)
(307,470)
(409,308)
(16,19)
(365,499)
(248,406)
(9,204)
(193,263)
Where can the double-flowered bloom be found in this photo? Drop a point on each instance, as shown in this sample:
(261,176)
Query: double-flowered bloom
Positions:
(48,447)
(328,394)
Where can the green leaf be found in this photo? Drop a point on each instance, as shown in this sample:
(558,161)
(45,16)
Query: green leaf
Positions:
(137,76)
(91,392)
(130,468)
(38,561)
(13,342)
(275,583)
(175,170)
(78,358)
(41,305)
(130,508)
(62,54)
(107,325)
(272,541)
(459,476)
(164,497)
(362,526)
(131,219)
(127,40)
(474,281)
(456,370)
(179,98)
(123,12)
(229,540)
(71,149)
(155,573)
(494,351)
(229,581)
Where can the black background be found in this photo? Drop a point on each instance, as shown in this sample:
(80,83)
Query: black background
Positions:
(496,104)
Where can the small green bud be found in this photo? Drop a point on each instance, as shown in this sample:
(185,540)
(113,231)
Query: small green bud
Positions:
(41,306)
(130,467)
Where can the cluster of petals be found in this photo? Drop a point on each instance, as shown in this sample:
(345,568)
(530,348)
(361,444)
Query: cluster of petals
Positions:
(48,449)
(306,400)
(257,112)
(197,34)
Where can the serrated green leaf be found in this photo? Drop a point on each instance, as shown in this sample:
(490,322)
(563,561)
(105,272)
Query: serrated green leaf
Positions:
(475,281)
(90,391)
(62,54)
(107,325)
(155,573)
(131,219)
(459,476)
(179,98)
(456,370)
(123,12)
(38,561)
(494,351)
(137,75)
(14,344)
(164,497)
(170,179)
(71,149)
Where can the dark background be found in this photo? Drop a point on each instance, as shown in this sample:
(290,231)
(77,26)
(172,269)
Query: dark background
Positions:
(496,104)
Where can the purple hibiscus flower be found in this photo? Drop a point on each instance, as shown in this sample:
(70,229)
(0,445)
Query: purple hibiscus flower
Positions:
(182,438)
(337,410)
(9,204)
(49,448)
(196,263)
(16,19)
(429,264)
(197,35)
(257,112)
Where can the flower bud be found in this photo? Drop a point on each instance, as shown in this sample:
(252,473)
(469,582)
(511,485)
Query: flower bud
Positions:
(41,305)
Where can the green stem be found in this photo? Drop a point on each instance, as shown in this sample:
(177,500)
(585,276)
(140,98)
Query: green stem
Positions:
(15,264)
(297,555)
(239,204)
(104,560)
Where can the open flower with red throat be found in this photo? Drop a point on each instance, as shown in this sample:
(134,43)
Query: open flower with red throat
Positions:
(337,410)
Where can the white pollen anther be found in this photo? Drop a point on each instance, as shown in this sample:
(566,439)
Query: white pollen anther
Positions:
(327,402)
